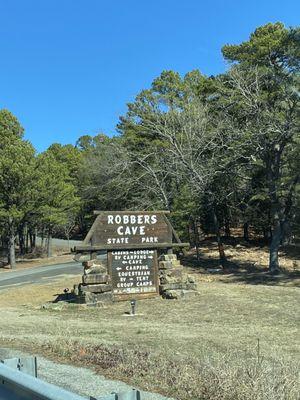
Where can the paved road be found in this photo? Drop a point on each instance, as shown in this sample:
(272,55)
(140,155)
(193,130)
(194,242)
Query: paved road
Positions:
(61,243)
(38,274)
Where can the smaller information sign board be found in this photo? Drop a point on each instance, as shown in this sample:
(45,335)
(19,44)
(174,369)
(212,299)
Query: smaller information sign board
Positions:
(133,273)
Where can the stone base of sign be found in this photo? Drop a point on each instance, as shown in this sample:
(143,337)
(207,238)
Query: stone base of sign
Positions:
(95,299)
(96,288)
(95,279)
(173,282)
(180,294)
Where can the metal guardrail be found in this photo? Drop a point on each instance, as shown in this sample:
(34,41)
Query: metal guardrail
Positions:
(18,385)
(24,364)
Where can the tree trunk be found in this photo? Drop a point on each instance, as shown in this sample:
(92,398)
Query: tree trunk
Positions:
(11,245)
(222,256)
(33,240)
(30,241)
(68,241)
(196,238)
(227,228)
(189,228)
(227,222)
(274,246)
(281,223)
(42,237)
(27,241)
(246,231)
(21,241)
(49,243)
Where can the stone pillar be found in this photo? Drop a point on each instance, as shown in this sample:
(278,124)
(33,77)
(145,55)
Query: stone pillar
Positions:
(174,283)
(95,288)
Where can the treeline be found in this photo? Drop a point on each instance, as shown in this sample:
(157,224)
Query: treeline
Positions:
(218,152)
(37,192)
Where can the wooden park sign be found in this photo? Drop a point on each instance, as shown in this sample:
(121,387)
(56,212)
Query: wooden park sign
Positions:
(129,229)
(131,239)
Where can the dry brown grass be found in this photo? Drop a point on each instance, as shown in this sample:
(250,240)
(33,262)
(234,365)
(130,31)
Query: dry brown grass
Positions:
(202,348)
(225,377)
(37,294)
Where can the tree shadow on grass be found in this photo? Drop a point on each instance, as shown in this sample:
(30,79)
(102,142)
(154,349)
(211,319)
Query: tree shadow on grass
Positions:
(264,278)
(240,271)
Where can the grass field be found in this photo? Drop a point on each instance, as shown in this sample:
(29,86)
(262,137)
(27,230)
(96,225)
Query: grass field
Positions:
(237,339)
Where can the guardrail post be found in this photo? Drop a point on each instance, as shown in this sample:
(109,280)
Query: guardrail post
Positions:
(130,395)
(28,365)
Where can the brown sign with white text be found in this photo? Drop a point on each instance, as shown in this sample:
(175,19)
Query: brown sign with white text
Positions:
(133,273)
(130,229)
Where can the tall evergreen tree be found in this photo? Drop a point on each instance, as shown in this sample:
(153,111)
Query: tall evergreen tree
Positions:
(265,85)
(57,198)
(17,172)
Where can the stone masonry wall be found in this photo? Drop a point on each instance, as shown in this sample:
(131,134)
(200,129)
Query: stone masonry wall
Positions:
(174,283)
(96,288)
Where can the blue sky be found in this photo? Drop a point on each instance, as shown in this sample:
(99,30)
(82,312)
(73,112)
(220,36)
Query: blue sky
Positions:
(68,67)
